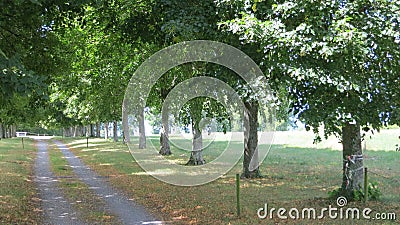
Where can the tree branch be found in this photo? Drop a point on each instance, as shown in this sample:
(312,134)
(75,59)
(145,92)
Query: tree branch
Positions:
(10,31)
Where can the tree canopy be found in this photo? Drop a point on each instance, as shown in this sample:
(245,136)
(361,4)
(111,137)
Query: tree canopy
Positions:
(335,63)
(339,60)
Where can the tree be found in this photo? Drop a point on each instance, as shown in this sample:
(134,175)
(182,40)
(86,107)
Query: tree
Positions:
(339,61)
(102,61)
(29,57)
(194,20)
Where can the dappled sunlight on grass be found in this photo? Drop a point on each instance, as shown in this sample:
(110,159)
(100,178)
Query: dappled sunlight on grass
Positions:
(19,203)
(293,176)
(106,164)
(113,150)
(89,149)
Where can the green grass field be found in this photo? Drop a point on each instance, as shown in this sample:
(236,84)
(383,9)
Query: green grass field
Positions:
(293,177)
(19,203)
(296,174)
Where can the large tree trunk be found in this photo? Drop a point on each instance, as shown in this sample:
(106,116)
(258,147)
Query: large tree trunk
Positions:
(86,130)
(4,131)
(142,132)
(250,123)
(106,130)
(70,132)
(79,131)
(91,130)
(13,130)
(115,131)
(1,131)
(353,175)
(8,131)
(125,127)
(75,131)
(196,157)
(165,148)
(97,129)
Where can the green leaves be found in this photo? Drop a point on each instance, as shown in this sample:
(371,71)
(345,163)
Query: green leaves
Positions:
(36,2)
(328,54)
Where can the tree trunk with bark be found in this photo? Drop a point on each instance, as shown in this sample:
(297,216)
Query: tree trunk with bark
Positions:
(86,130)
(165,148)
(353,173)
(106,130)
(70,131)
(91,130)
(115,131)
(13,130)
(142,131)
(250,124)
(97,129)
(196,157)
(8,131)
(79,131)
(1,131)
(125,127)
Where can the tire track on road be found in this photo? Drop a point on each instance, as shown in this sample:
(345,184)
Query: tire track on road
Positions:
(126,210)
(57,210)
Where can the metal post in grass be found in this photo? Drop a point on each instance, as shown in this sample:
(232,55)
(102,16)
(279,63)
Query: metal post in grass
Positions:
(87,142)
(365,184)
(22,140)
(238,194)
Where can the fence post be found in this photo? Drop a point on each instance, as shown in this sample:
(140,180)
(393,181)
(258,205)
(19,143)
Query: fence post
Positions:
(238,194)
(365,184)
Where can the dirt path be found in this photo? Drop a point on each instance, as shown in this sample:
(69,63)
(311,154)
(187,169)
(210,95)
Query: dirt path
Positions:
(126,210)
(57,210)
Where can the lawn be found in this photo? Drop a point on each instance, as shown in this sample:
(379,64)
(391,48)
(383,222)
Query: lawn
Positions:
(293,177)
(296,174)
(19,203)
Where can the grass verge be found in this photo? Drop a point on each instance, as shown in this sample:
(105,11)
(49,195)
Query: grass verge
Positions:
(89,206)
(293,177)
(19,202)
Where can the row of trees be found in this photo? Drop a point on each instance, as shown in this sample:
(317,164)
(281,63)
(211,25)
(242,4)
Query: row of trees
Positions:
(334,63)
(340,61)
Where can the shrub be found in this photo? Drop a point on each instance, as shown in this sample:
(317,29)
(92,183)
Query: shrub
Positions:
(374,193)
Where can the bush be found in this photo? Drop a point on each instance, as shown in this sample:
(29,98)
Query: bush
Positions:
(374,193)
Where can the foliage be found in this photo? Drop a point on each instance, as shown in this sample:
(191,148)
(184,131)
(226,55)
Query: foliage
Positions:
(374,193)
(102,62)
(24,42)
(30,55)
(337,59)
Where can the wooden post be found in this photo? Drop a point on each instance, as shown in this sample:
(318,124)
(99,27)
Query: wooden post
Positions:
(238,194)
(23,146)
(87,142)
(365,184)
